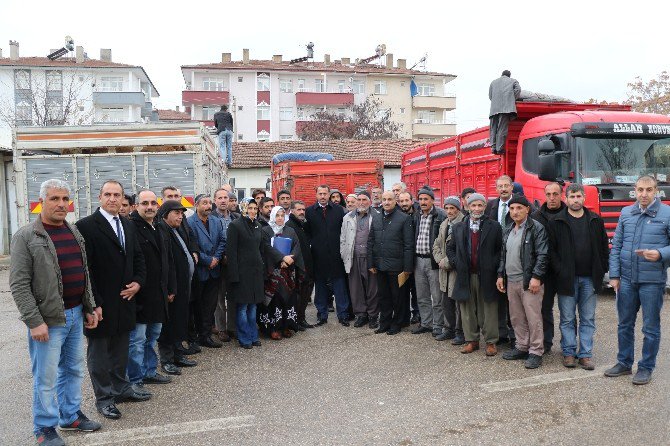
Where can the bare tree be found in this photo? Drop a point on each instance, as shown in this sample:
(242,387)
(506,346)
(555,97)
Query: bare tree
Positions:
(46,97)
(651,96)
(364,121)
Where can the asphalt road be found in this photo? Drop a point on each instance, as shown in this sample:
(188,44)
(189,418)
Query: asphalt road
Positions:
(347,386)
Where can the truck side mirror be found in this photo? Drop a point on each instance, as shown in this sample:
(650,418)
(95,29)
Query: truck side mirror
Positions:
(547,165)
(546,146)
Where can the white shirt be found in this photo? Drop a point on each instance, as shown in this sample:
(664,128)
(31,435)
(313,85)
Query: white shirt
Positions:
(110,218)
(500,208)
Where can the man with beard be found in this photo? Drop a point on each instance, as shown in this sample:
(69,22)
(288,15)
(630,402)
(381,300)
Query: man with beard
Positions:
(376,195)
(351,202)
(353,249)
(552,206)
(224,318)
(152,299)
(474,252)
(264,208)
(284,199)
(406,203)
(305,284)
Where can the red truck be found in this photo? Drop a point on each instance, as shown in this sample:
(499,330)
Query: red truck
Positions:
(302,177)
(603,147)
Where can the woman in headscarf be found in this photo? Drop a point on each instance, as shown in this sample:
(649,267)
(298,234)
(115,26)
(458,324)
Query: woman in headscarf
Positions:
(337,198)
(277,316)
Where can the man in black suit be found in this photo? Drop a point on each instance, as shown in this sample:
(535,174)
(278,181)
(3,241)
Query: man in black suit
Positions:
(117,269)
(498,210)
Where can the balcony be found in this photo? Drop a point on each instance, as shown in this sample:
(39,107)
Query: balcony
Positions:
(435,102)
(105,98)
(323,98)
(191,97)
(423,128)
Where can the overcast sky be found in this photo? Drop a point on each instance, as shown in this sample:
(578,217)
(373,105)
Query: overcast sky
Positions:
(578,50)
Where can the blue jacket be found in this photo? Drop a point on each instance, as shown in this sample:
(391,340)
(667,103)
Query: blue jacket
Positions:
(641,230)
(211,244)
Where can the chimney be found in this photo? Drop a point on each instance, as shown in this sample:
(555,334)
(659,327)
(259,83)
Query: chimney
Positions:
(106,54)
(245,56)
(277,58)
(176,108)
(13,50)
(346,61)
(225,58)
(79,54)
(0,53)
(402,64)
(389,60)
(326,59)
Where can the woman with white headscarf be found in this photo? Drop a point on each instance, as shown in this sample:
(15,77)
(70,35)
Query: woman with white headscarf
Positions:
(277,316)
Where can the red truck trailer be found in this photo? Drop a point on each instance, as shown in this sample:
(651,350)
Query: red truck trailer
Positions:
(302,177)
(603,147)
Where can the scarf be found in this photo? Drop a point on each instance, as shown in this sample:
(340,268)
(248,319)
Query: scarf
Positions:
(273,220)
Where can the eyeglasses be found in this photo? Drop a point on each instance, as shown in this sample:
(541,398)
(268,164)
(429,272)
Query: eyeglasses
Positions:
(147,203)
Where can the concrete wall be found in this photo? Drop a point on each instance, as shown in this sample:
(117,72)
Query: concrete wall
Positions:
(249,179)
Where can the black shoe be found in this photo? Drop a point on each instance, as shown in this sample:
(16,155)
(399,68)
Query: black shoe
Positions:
(533,361)
(393,331)
(185,362)
(642,377)
(48,436)
(360,321)
(381,330)
(171,369)
(81,424)
(256,343)
(514,354)
(246,346)
(445,336)
(547,349)
(193,348)
(351,317)
(305,324)
(415,319)
(459,339)
(321,322)
(344,322)
(140,389)
(617,370)
(132,397)
(110,412)
(157,379)
(502,341)
(210,343)
(421,329)
(374,323)
(299,327)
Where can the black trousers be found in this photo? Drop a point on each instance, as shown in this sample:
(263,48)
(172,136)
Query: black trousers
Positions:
(107,359)
(393,306)
(169,352)
(206,300)
(305,288)
(548,312)
(505,329)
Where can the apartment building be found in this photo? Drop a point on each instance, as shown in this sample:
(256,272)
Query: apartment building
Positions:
(271,99)
(73,90)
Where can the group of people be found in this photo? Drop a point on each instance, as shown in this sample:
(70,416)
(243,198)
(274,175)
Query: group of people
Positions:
(468,271)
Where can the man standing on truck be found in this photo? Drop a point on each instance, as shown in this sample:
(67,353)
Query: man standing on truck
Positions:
(223,121)
(503,93)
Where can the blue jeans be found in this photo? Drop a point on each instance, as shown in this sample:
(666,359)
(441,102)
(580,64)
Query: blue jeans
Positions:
(247,329)
(583,299)
(58,369)
(322,296)
(631,297)
(226,146)
(142,358)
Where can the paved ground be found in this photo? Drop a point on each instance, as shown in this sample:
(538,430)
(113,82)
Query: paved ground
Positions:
(336,386)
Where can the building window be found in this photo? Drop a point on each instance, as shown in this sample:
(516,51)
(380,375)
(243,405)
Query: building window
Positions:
(111,83)
(240,137)
(286,85)
(301,84)
(380,87)
(426,117)
(240,79)
(319,86)
(263,136)
(112,115)
(213,84)
(54,80)
(263,112)
(23,98)
(426,89)
(358,87)
(22,80)
(341,86)
(286,114)
(262,82)
(402,110)
(285,137)
(208,112)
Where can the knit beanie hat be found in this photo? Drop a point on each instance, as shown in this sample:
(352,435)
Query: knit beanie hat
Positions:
(475,197)
(454,201)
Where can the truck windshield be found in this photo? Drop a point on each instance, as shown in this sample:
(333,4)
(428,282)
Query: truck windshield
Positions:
(621,160)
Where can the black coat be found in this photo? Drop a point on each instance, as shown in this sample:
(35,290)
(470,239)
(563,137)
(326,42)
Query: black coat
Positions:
(534,252)
(303,238)
(488,258)
(246,252)
(563,252)
(111,269)
(176,328)
(151,301)
(188,236)
(273,257)
(439,215)
(491,211)
(324,235)
(391,242)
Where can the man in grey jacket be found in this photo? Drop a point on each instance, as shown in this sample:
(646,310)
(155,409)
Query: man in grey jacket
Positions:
(503,93)
(50,284)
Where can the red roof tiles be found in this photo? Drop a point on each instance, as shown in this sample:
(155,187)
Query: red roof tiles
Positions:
(62,62)
(173,115)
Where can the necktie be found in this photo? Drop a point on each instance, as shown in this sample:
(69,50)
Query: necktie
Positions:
(119,232)
(323,209)
(504,213)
